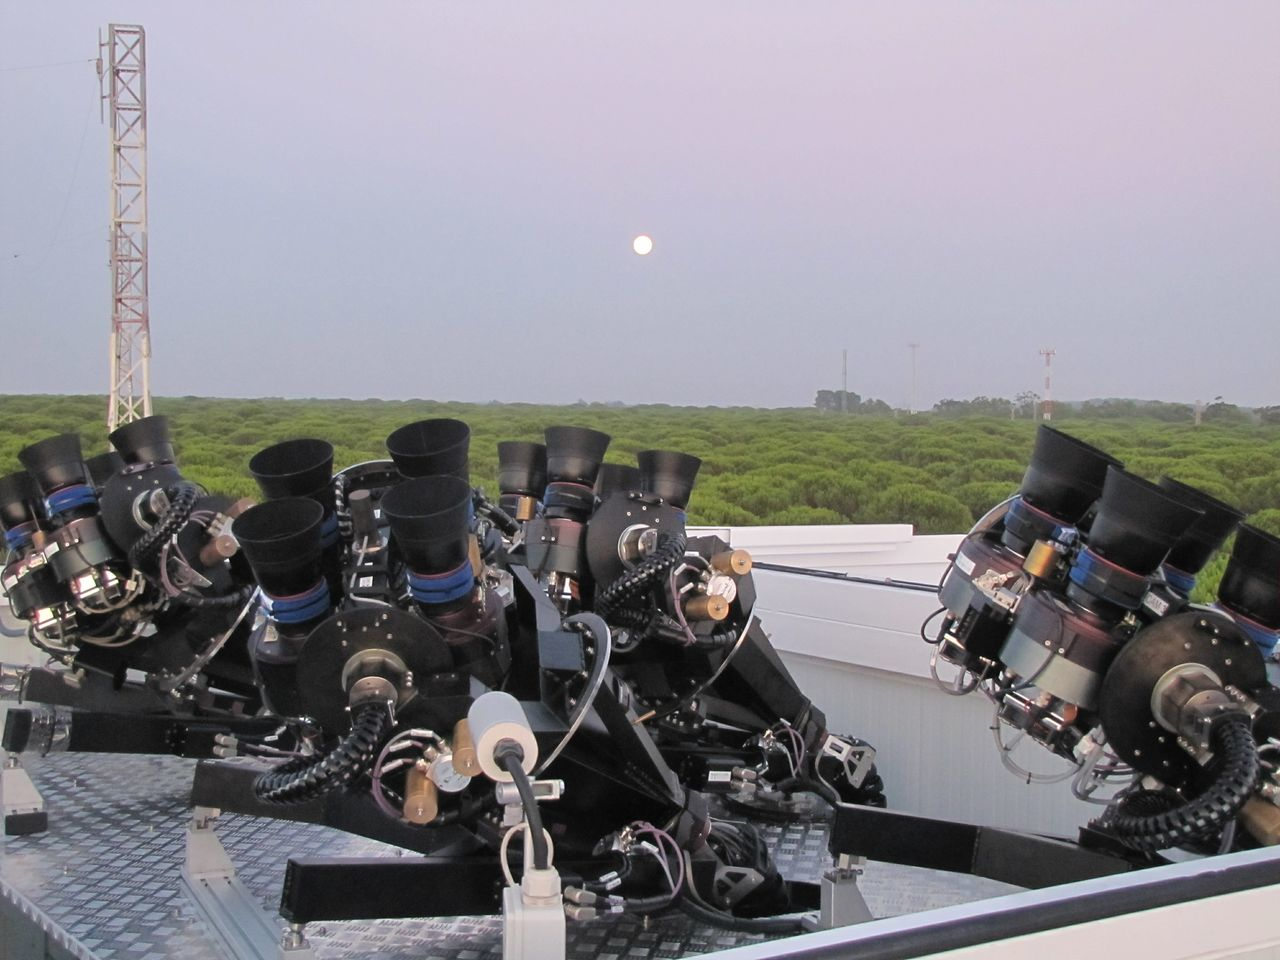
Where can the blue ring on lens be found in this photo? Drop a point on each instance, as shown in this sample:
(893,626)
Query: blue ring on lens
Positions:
(1180,580)
(69,498)
(20,535)
(300,607)
(442,587)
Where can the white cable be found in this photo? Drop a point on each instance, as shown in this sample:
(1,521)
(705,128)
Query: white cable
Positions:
(1013,767)
(604,645)
(506,842)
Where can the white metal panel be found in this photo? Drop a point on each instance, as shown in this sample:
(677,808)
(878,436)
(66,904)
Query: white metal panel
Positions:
(878,550)
(1239,926)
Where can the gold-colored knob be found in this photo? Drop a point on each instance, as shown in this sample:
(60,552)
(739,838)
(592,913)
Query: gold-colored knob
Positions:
(421,795)
(736,562)
(707,607)
(464,750)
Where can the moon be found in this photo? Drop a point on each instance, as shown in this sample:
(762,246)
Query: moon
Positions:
(642,244)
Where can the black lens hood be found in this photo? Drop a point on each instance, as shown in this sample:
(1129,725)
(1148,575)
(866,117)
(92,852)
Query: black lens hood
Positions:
(281,541)
(1065,475)
(430,522)
(296,468)
(55,462)
(144,441)
(1137,522)
(1206,534)
(428,448)
(574,454)
(669,475)
(522,468)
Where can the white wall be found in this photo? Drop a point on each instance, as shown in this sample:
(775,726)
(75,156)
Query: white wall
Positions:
(855,650)
(876,550)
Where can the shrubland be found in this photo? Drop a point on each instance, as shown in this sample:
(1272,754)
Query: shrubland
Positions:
(792,466)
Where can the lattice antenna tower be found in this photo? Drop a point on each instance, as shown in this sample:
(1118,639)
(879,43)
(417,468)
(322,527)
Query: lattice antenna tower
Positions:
(124,89)
(1046,407)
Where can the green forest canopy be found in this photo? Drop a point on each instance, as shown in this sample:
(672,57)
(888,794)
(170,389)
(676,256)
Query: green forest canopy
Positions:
(759,466)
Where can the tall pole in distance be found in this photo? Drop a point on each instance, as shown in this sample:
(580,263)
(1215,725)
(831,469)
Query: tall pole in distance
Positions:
(124,88)
(844,380)
(914,347)
(1047,406)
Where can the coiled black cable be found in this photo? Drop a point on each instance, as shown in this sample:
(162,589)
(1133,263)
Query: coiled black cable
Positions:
(182,500)
(299,781)
(1207,814)
(189,599)
(668,553)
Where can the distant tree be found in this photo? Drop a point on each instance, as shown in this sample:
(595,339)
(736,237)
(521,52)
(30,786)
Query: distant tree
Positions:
(1222,412)
(829,400)
(1027,403)
(977,407)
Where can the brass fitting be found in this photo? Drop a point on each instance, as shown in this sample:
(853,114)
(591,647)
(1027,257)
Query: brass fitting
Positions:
(707,607)
(464,750)
(736,562)
(421,795)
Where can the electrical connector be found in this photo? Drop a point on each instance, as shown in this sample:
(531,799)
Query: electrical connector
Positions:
(533,917)
(583,898)
(539,885)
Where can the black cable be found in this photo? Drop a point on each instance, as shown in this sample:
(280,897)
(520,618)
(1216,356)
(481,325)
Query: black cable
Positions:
(1207,814)
(727,921)
(302,780)
(511,761)
(188,599)
(182,500)
(501,519)
(669,552)
(925,626)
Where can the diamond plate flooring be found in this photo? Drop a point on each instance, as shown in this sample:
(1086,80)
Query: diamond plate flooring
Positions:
(106,877)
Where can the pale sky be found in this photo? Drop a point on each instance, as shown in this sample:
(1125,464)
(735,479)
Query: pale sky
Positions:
(422,199)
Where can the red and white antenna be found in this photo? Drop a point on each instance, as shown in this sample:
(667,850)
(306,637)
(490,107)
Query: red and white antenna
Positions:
(1046,406)
(124,88)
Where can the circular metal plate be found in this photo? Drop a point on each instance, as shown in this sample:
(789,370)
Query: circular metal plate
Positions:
(350,632)
(1199,637)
